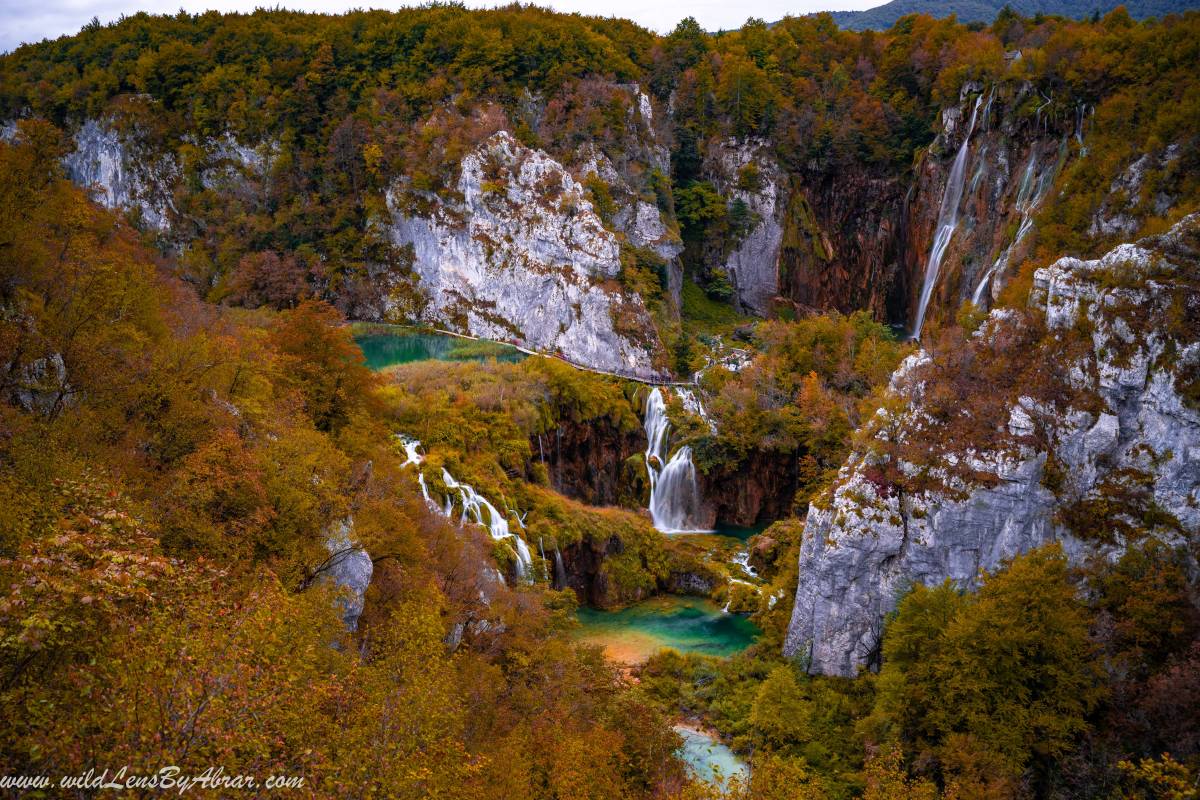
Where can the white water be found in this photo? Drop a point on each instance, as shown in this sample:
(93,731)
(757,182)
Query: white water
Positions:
(674,493)
(694,405)
(560,573)
(1027,201)
(742,559)
(947,222)
(474,504)
(410,451)
(656,426)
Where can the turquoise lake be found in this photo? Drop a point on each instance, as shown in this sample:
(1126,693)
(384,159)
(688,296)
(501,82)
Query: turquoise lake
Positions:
(687,624)
(390,348)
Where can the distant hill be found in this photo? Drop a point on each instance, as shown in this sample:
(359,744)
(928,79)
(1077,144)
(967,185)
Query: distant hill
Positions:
(884,16)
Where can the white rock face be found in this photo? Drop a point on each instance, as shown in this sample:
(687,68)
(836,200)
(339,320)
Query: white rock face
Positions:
(350,568)
(860,554)
(233,165)
(105,163)
(753,267)
(1117,214)
(524,257)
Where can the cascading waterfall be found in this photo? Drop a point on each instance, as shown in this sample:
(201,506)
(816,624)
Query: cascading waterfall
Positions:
(474,506)
(946,223)
(656,426)
(694,405)
(674,492)
(1028,198)
(410,451)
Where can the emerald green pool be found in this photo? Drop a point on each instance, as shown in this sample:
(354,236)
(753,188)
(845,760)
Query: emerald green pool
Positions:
(686,624)
(387,349)
(739,533)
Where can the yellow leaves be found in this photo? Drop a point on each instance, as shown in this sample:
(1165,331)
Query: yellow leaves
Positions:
(886,779)
(1161,778)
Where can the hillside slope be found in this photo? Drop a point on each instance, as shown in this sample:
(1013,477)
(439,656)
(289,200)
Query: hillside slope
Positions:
(885,16)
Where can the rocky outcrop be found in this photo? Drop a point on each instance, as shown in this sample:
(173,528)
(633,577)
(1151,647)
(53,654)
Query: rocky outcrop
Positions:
(524,257)
(747,174)
(583,570)
(349,568)
(120,175)
(1132,319)
(586,461)
(842,244)
(1117,214)
(757,490)
(39,386)
(641,220)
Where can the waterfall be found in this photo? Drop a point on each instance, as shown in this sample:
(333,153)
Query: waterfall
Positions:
(560,572)
(1027,200)
(474,504)
(656,426)
(410,451)
(674,493)
(987,109)
(946,223)
(429,500)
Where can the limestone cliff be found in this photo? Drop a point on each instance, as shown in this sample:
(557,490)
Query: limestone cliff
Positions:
(524,257)
(120,174)
(747,174)
(1116,343)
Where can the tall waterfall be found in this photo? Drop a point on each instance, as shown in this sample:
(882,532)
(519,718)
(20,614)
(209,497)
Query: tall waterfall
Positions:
(946,223)
(674,493)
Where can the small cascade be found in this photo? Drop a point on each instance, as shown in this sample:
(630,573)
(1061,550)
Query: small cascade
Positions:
(560,572)
(987,109)
(694,405)
(410,451)
(474,506)
(742,559)
(429,500)
(674,492)
(1029,194)
(1082,113)
(946,223)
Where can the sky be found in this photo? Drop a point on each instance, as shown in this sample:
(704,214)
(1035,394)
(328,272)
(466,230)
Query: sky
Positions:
(34,20)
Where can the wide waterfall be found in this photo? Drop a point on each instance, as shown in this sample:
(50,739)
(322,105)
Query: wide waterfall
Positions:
(674,492)
(946,223)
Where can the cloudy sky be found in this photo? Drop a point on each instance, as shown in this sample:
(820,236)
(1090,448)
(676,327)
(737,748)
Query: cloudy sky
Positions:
(33,20)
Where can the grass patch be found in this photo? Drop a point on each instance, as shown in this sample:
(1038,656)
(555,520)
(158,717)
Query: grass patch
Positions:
(704,316)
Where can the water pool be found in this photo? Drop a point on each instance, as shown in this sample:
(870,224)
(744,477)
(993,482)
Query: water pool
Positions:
(687,624)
